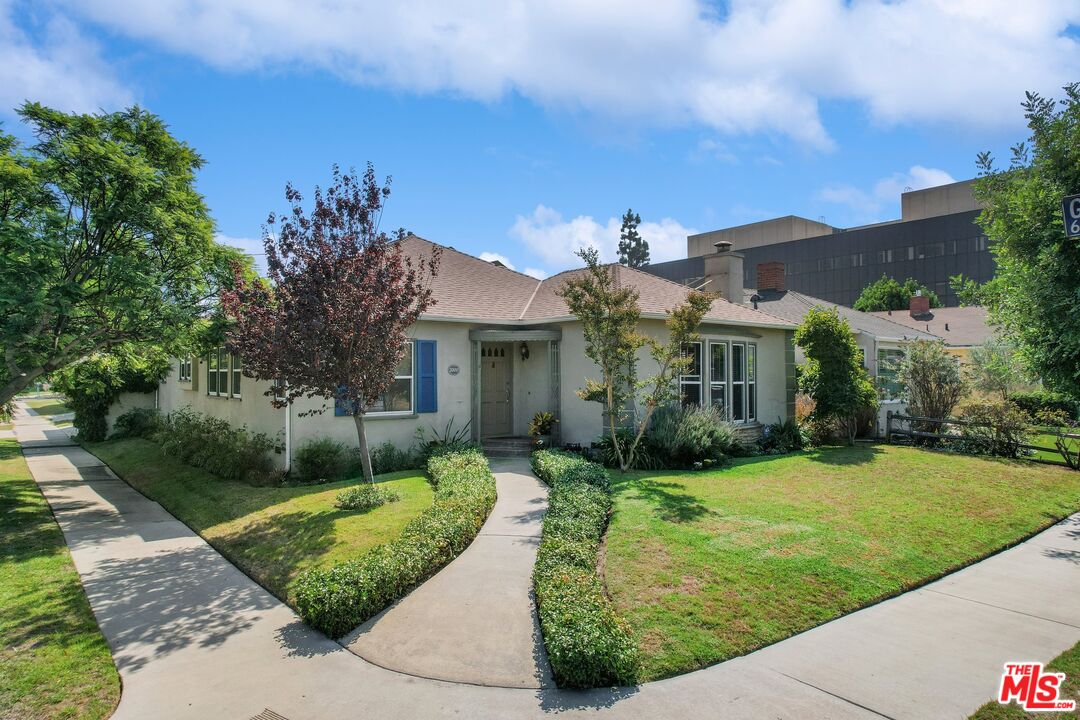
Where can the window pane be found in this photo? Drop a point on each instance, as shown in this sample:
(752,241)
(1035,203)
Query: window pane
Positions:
(397,398)
(236,366)
(404,366)
(751,401)
(692,351)
(719,397)
(737,402)
(211,374)
(718,357)
(691,393)
(223,372)
(737,363)
(751,362)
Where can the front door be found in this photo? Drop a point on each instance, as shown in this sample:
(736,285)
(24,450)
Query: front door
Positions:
(495,390)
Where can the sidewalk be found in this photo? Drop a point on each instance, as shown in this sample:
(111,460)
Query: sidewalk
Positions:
(193,637)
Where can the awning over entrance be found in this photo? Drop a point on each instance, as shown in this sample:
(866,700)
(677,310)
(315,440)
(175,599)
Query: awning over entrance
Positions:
(515,337)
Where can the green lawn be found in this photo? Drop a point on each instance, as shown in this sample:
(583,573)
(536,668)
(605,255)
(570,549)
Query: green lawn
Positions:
(1067,662)
(48,407)
(706,566)
(272,534)
(54,663)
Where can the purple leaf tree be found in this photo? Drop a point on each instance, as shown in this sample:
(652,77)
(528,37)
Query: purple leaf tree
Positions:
(330,321)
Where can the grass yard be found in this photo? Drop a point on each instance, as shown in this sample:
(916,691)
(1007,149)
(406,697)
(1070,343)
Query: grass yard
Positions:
(272,534)
(48,407)
(54,662)
(1067,662)
(710,565)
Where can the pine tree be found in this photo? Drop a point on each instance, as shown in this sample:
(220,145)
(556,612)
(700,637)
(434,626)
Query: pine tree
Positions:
(633,250)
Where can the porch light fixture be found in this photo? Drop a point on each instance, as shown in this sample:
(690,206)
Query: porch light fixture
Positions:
(524,351)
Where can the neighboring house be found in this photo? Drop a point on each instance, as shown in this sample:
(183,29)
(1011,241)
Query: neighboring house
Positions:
(962,328)
(881,340)
(499,346)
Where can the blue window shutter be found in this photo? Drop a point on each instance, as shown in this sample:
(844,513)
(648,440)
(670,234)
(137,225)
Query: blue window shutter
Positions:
(340,405)
(427,391)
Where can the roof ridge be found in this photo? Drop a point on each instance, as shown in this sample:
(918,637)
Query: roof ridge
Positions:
(532,297)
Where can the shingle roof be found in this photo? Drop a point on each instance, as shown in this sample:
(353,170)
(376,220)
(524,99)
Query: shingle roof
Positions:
(967,326)
(793,306)
(468,288)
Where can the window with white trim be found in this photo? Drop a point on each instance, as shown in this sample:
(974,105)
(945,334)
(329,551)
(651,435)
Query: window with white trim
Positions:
(184,374)
(718,377)
(690,381)
(751,382)
(398,397)
(738,382)
(733,379)
(221,365)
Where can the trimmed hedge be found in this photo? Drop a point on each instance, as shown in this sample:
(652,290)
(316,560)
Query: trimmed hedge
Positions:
(1037,400)
(588,644)
(337,599)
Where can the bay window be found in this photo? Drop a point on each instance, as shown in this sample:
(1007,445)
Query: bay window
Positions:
(718,379)
(690,381)
(732,380)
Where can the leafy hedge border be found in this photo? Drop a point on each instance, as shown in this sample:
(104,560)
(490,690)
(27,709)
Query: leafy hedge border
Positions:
(337,599)
(588,644)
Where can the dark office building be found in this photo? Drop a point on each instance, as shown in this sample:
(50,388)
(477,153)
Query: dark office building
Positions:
(936,239)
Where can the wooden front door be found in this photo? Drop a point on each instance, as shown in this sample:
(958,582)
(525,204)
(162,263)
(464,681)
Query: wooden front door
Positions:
(495,390)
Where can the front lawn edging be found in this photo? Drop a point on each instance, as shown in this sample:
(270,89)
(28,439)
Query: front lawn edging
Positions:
(588,644)
(337,599)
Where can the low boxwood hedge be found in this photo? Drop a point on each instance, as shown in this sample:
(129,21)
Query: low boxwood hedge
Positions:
(337,599)
(588,644)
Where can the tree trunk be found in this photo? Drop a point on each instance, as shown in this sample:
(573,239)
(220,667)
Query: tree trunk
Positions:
(19,383)
(365,456)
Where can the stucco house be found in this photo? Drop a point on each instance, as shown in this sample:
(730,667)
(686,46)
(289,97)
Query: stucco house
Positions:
(499,346)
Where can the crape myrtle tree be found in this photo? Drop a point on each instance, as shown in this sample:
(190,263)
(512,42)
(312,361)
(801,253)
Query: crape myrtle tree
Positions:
(633,249)
(609,315)
(331,321)
(104,241)
(887,293)
(834,375)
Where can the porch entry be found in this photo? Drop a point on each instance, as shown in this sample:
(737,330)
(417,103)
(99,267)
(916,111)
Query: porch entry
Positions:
(496,389)
(499,409)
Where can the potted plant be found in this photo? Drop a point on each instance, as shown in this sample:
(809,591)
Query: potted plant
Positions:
(540,428)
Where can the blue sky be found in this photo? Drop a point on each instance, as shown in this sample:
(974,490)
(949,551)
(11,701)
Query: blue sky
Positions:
(525,130)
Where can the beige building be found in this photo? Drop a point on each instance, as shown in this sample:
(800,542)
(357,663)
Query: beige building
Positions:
(496,348)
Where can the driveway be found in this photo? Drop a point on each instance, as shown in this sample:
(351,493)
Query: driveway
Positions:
(193,637)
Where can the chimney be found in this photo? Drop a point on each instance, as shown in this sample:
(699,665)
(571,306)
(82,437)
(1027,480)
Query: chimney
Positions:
(770,276)
(724,272)
(920,304)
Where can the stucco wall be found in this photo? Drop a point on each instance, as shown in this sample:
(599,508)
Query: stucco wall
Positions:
(127,401)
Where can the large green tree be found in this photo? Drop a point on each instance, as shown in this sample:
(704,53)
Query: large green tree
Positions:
(1035,294)
(104,241)
(633,249)
(889,294)
(834,375)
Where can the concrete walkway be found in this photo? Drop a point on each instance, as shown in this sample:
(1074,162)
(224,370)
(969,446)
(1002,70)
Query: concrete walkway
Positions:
(193,637)
(475,621)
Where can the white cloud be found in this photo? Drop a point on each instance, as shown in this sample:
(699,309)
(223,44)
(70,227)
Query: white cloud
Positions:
(535,272)
(753,66)
(886,191)
(64,71)
(556,240)
(493,257)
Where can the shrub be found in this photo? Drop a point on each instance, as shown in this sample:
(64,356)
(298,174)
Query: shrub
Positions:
(337,599)
(1001,428)
(588,644)
(138,422)
(542,423)
(321,460)
(783,436)
(645,455)
(214,445)
(682,437)
(365,496)
(389,458)
(1037,400)
(6,411)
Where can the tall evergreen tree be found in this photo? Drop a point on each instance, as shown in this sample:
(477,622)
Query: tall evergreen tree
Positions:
(633,249)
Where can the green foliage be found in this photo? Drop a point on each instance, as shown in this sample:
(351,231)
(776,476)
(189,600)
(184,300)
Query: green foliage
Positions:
(92,385)
(387,457)
(1000,429)
(104,240)
(783,436)
(448,438)
(888,294)
(685,436)
(366,496)
(633,249)
(834,375)
(216,446)
(137,422)
(337,599)
(1034,293)
(1037,401)
(588,644)
(542,423)
(320,460)
(646,456)
(931,379)
(995,368)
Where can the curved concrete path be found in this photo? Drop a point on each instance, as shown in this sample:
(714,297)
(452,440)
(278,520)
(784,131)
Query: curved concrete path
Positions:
(474,621)
(193,637)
